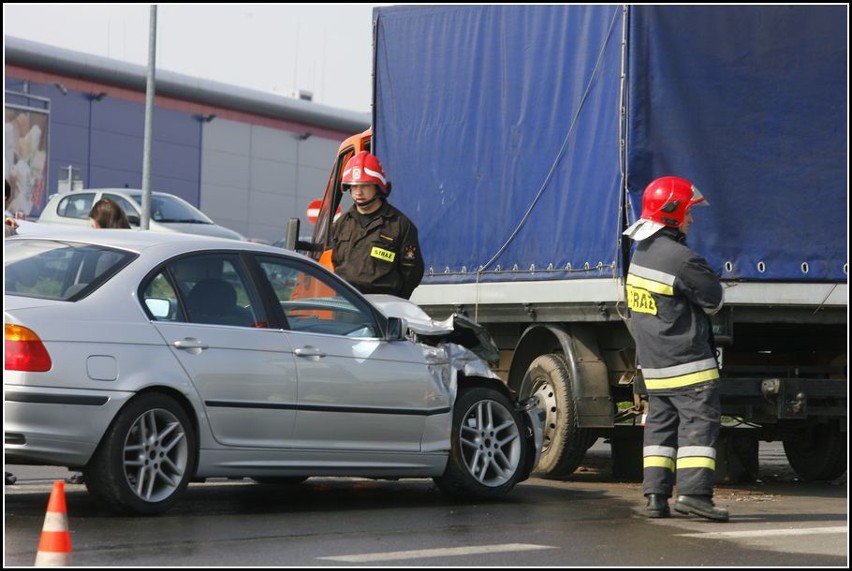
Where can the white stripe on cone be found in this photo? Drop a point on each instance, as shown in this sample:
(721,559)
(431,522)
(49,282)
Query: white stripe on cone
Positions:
(52,559)
(55,521)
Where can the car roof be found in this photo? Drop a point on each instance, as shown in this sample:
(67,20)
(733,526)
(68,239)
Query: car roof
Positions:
(139,240)
(126,192)
(122,190)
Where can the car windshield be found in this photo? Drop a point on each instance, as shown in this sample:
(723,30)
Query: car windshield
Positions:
(51,269)
(165,208)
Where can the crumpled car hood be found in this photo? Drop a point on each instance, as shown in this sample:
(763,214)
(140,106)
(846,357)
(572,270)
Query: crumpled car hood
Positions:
(457,328)
(466,346)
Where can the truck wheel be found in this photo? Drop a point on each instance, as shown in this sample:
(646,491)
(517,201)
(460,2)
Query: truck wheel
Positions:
(146,458)
(488,449)
(565,443)
(820,454)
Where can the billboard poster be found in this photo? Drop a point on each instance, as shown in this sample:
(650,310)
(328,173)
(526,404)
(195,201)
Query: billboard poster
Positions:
(26,139)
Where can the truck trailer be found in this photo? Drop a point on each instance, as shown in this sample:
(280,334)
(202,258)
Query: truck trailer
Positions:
(519,139)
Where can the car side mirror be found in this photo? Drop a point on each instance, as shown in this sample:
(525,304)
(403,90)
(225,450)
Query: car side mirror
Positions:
(133,219)
(291,240)
(397,327)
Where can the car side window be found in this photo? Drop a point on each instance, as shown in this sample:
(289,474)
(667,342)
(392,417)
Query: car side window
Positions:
(59,270)
(129,209)
(75,205)
(161,299)
(314,304)
(210,289)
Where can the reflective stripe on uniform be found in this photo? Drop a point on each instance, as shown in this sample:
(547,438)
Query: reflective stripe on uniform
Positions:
(654,286)
(641,283)
(658,462)
(658,457)
(679,376)
(655,450)
(696,462)
(689,451)
(649,274)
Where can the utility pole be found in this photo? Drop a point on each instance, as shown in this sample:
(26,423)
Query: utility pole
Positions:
(144,223)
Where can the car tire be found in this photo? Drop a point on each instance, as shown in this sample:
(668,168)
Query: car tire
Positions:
(489,449)
(146,458)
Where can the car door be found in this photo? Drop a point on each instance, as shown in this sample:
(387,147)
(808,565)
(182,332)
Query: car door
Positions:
(357,391)
(243,370)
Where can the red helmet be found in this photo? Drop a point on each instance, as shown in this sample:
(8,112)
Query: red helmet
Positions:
(364,168)
(667,199)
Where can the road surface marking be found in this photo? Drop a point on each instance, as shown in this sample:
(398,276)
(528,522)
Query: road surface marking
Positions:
(768,532)
(438,552)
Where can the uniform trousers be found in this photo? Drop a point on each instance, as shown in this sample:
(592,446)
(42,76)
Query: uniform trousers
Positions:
(679,443)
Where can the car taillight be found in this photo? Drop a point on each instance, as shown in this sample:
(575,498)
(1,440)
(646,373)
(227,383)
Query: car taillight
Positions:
(25,351)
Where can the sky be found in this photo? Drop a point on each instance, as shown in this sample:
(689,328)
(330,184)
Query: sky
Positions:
(324,49)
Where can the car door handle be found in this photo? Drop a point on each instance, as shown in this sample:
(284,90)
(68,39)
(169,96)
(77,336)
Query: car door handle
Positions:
(190,343)
(308,351)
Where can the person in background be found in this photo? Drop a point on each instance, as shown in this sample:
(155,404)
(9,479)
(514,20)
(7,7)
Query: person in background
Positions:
(10,228)
(671,292)
(106,213)
(375,245)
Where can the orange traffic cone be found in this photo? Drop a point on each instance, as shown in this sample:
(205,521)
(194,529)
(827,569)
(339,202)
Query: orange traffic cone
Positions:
(54,549)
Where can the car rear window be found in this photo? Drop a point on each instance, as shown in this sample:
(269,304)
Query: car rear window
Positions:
(61,270)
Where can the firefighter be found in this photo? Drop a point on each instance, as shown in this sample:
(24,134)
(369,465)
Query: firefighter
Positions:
(671,292)
(375,245)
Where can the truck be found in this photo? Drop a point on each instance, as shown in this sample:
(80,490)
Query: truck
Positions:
(519,139)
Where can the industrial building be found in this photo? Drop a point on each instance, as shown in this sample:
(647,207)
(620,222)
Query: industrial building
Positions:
(249,159)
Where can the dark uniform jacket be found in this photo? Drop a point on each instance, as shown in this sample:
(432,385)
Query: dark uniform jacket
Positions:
(671,291)
(377,252)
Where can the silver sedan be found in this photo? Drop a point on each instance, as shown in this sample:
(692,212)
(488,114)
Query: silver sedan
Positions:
(147,360)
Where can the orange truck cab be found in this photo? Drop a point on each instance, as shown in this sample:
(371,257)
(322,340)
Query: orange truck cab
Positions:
(320,245)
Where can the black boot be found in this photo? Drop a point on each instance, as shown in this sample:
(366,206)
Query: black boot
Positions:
(658,506)
(701,506)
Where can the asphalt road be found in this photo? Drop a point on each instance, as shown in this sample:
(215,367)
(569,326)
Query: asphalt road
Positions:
(589,519)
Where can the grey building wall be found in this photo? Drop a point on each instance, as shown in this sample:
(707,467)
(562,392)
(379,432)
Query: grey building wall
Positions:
(254,178)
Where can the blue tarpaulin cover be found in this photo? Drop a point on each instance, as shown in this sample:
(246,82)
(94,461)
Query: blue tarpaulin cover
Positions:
(501,130)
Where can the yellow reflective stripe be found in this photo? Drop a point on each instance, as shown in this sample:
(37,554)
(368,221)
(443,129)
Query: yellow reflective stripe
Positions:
(658,462)
(682,369)
(682,380)
(382,254)
(650,285)
(696,462)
